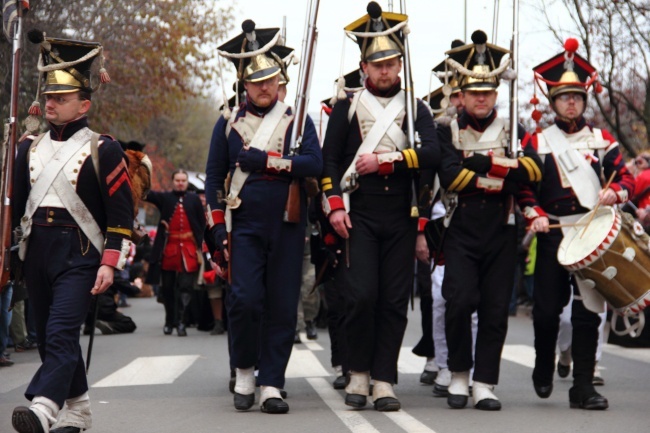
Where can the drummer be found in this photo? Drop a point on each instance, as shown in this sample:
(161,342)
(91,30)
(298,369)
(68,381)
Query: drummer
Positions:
(576,158)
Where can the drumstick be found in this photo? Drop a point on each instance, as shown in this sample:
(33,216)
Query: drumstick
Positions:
(593,213)
(557,226)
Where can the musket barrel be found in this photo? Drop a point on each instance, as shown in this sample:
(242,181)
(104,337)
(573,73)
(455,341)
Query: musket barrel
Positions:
(514,100)
(302,95)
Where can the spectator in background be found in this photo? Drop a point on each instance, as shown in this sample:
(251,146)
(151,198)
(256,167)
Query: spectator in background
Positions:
(5,319)
(641,196)
(176,253)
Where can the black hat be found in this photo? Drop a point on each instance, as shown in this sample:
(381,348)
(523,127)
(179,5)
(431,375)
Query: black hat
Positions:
(447,75)
(67,63)
(251,52)
(389,44)
(349,83)
(567,72)
(434,99)
(478,58)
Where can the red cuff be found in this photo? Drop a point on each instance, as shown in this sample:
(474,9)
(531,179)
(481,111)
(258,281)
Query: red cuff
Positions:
(498,171)
(218,217)
(616,187)
(421,223)
(335,203)
(540,211)
(111,258)
(386,168)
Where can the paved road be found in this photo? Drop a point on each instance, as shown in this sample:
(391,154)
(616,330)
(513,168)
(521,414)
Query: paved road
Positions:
(150,383)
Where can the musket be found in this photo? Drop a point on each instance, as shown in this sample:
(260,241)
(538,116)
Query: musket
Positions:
(292,210)
(410,107)
(513,147)
(304,78)
(11,135)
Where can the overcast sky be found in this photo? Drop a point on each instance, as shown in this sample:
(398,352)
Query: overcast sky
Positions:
(433,23)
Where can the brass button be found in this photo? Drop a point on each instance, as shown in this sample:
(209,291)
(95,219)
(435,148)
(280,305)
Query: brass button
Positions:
(76,170)
(74,182)
(33,180)
(80,161)
(573,208)
(49,220)
(386,177)
(33,150)
(385,188)
(31,168)
(84,154)
(51,213)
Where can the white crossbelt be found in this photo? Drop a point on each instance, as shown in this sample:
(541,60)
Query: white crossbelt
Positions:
(53,176)
(384,125)
(582,177)
(261,141)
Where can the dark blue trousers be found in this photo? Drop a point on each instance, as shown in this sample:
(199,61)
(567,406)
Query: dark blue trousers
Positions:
(266,266)
(59,278)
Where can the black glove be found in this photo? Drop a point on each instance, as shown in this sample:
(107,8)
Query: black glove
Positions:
(219,236)
(478,163)
(252,159)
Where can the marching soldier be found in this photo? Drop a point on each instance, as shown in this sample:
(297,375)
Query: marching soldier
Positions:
(480,244)
(73,211)
(565,196)
(176,254)
(366,148)
(246,217)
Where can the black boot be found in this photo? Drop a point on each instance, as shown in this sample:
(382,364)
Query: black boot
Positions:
(310,330)
(586,397)
(25,420)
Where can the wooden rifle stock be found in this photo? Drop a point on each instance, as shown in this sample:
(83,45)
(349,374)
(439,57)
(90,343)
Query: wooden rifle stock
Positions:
(10,153)
(292,208)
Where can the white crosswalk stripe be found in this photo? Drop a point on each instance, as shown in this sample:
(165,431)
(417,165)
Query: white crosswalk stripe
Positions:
(152,370)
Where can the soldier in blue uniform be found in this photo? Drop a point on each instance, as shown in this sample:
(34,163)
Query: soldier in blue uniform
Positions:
(73,211)
(250,146)
(366,148)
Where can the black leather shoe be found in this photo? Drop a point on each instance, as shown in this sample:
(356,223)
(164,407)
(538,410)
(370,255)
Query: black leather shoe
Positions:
(387,404)
(167,330)
(283,394)
(543,391)
(355,400)
(428,377)
(440,390)
(340,382)
(488,404)
(296,338)
(563,370)
(67,429)
(231,384)
(244,402)
(455,401)
(26,421)
(181,331)
(274,405)
(310,330)
(586,398)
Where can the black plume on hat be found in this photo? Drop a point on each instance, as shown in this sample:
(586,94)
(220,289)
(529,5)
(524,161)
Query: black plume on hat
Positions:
(457,43)
(479,37)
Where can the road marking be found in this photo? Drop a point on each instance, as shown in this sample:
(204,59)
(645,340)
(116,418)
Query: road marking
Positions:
(310,344)
(635,353)
(17,375)
(303,363)
(520,354)
(152,370)
(351,418)
(410,363)
(407,422)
